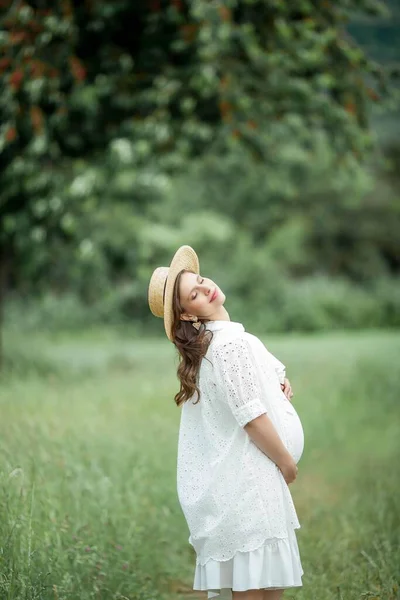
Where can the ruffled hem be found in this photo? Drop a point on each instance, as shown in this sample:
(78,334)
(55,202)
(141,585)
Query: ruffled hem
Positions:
(275,564)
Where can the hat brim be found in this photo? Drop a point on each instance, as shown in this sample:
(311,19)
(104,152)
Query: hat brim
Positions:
(184,258)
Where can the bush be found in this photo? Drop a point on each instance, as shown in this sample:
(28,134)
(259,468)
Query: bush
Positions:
(320,303)
(273,303)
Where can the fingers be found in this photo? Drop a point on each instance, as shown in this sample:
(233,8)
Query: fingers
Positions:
(287,389)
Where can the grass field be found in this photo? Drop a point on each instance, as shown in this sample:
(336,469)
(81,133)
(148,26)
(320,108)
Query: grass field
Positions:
(88,441)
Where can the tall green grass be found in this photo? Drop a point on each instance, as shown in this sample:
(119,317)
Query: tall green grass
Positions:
(88,440)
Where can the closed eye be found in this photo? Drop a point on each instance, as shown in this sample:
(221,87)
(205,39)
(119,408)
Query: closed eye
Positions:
(194,297)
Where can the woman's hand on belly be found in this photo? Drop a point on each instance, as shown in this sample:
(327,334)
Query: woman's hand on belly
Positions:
(287,388)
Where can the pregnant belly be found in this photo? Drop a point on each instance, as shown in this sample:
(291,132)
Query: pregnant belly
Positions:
(294,431)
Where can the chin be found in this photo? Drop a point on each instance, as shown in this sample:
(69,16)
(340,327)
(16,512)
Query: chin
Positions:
(219,300)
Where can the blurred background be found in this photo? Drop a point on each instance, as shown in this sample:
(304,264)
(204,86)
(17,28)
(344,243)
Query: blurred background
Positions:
(266,135)
(242,128)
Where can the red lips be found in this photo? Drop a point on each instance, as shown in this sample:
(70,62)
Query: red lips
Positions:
(215,294)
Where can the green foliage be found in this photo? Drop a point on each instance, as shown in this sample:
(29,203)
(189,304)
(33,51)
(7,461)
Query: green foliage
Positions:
(323,303)
(302,248)
(239,127)
(275,304)
(187,75)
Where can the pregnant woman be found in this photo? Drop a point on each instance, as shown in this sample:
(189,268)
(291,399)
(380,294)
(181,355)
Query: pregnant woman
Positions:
(240,440)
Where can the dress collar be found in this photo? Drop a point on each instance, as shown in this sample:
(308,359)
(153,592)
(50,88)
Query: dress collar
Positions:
(228,325)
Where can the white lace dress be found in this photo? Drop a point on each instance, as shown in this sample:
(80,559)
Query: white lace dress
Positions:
(237,505)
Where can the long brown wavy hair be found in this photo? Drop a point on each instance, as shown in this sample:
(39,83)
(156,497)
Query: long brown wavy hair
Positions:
(192,345)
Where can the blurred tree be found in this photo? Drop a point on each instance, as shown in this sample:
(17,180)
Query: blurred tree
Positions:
(172,77)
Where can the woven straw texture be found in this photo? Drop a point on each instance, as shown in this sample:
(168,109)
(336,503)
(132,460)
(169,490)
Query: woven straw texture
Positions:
(162,281)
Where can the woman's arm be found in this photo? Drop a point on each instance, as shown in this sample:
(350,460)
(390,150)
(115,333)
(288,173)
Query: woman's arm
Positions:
(263,433)
(241,391)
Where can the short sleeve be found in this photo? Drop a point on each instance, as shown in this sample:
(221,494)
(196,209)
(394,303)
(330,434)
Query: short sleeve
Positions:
(236,374)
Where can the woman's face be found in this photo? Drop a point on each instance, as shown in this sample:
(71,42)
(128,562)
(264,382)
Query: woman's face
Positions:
(197,296)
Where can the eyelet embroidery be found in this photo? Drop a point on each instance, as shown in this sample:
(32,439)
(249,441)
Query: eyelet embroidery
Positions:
(232,495)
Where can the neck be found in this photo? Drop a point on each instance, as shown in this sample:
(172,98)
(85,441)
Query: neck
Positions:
(220,315)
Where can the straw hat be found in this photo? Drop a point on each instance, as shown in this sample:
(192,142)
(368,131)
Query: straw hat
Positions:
(162,283)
